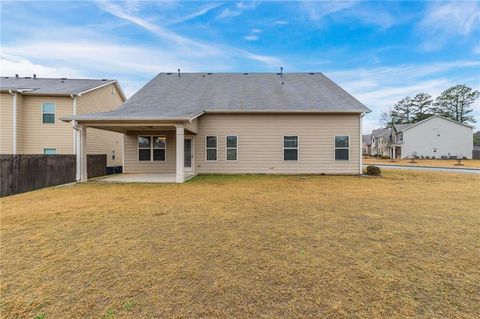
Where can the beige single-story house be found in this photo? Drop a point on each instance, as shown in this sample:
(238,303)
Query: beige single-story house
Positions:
(31,108)
(183,124)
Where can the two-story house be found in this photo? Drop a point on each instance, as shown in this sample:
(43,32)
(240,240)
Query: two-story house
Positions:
(435,137)
(380,139)
(31,108)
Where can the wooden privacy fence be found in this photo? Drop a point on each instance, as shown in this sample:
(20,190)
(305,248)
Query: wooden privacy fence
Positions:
(23,173)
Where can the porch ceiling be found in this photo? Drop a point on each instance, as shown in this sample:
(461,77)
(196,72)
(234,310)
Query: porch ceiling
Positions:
(124,128)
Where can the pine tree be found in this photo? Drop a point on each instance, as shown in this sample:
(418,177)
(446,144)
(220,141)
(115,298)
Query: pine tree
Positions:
(456,103)
(403,111)
(422,107)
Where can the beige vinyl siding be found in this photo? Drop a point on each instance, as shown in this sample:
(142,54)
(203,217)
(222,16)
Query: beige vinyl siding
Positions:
(133,165)
(20,124)
(260,143)
(99,141)
(37,135)
(192,126)
(6,123)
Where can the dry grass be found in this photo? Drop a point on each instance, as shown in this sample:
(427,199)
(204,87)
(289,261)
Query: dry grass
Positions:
(403,245)
(425,162)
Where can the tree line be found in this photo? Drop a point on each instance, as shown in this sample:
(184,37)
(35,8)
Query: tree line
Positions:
(454,103)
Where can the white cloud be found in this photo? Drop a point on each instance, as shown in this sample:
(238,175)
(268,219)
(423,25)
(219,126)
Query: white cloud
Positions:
(318,10)
(184,45)
(12,65)
(379,88)
(363,11)
(251,37)
(446,20)
(237,10)
(280,22)
(202,11)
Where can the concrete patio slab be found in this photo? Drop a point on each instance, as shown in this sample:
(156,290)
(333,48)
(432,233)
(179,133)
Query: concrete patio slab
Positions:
(138,178)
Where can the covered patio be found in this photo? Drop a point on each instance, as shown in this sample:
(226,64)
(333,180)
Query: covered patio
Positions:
(153,152)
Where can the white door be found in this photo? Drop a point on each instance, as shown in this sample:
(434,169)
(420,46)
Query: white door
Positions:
(188,155)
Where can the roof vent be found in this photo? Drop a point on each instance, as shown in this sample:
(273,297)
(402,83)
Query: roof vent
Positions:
(209,73)
(104,79)
(281,71)
(34,76)
(63,78)
(245,73)
(312,73)
(178,72)
(203,75)
(28,77)
(169,73)
(16,76)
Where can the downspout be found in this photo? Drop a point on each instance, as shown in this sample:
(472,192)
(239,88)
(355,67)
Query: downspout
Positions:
(14,111)
(361,144)
(76,137)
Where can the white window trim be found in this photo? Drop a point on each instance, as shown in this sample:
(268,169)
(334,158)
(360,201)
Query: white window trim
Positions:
(54,113)
(151,148)
(207,148)
(49,148)
(232,148)
(297,148)
(341,148)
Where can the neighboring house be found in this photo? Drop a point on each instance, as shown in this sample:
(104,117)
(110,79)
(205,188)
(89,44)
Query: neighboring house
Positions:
(31,108)
(380,141)
(232,123)
(435,137)
(367,144)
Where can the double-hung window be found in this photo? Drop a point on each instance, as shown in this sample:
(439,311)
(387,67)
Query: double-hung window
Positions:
(342,148)
(290,148)
(152,148)
(231,146)
(48,112)
(211,148)
(159,146)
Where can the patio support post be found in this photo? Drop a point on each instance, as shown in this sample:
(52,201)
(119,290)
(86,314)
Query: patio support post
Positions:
(83,153)
(180,178)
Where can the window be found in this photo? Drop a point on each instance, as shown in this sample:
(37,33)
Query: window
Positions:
(211,148)
(113,154)
(152,148)
(290,148)
(48,113)
(159,146)
(342,149)
(231,148)
(49,151)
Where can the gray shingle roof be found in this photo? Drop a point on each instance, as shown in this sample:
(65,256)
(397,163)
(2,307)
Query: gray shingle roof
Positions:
(401,127)
(381,132)
(367,139)
(170,96)
(51,86)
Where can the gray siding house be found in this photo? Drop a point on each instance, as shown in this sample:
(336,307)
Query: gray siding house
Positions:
(185,124)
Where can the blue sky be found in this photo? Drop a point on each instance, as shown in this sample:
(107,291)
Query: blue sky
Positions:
(378,51)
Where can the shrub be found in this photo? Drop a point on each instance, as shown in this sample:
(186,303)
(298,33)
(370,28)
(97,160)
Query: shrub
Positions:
(373,170)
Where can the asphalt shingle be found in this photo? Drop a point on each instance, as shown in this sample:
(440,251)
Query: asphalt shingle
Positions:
(169,95)
(51,86)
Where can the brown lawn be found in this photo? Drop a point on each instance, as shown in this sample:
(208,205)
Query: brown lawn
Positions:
(425,162)
(403,245)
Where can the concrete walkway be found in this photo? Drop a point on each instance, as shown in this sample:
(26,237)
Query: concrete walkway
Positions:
(428,168)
